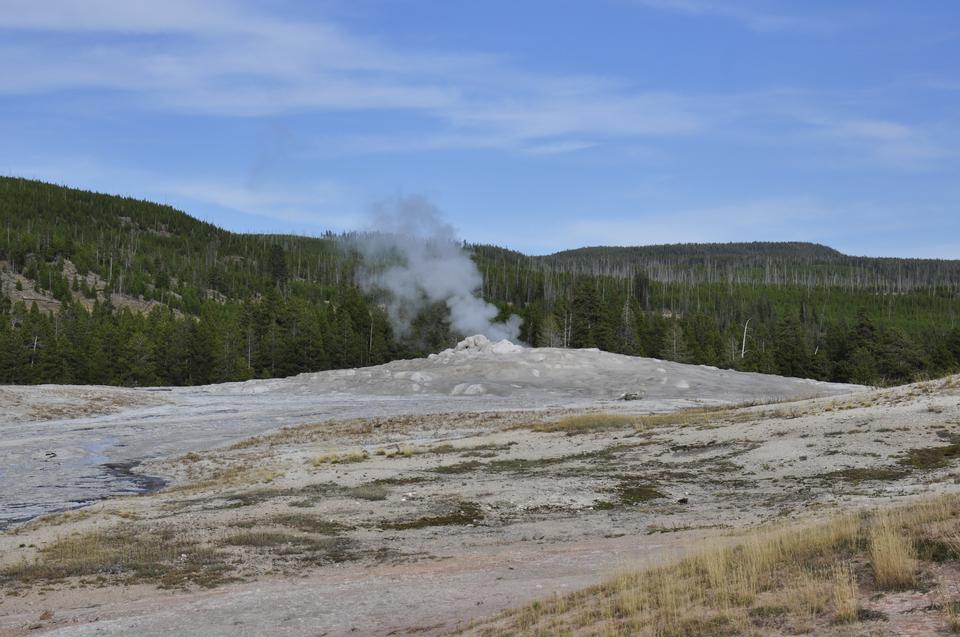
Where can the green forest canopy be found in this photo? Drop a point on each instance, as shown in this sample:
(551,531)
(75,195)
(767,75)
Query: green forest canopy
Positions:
(207,305)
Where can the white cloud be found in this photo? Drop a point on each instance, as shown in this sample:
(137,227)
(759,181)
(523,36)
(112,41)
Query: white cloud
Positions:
(746,13)
(232,59)
(881,141)
(225,60)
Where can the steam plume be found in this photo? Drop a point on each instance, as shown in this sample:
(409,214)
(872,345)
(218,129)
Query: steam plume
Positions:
(415,257)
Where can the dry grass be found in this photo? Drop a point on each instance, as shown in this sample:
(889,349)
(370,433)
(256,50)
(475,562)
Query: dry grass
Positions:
(339,458)
(951,611)
(603,421)
(130,554)
(951,382)
(845,602)
(892,554)
(788,580)
(56,519)
(241,474)
(586,423)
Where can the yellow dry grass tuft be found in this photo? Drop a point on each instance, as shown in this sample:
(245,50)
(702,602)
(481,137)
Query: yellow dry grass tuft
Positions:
(339,458)
(845,602)
(240,474)
(586,423)
(892,554)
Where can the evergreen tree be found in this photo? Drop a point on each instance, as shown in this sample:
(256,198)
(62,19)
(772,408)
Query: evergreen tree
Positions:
(277,265)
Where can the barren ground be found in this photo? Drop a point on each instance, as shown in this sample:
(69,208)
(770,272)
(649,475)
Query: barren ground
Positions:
(418,515)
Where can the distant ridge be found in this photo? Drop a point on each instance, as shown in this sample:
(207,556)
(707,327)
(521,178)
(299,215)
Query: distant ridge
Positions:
(776,249)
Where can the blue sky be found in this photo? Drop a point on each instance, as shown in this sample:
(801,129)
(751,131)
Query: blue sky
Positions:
(537,125)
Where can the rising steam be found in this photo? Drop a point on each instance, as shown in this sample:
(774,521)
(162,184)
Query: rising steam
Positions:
(414,256)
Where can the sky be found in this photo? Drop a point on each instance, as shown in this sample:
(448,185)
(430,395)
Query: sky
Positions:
(537,125)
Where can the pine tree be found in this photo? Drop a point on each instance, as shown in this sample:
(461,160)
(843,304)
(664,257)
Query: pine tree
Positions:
(277,265)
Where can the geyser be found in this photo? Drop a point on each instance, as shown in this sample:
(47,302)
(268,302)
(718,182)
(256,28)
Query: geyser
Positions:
(415,258)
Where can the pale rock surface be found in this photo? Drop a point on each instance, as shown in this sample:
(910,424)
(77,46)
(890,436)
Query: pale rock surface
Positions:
(61,445)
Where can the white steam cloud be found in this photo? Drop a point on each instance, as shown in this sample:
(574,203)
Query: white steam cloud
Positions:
(413,255)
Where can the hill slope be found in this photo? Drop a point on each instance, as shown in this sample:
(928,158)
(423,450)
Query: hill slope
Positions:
(130,292)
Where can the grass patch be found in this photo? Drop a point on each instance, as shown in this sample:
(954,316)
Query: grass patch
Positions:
(459,467)
(485,451)
(371,491)
(586,423)
(845,593)
(787,579)
(132,555)
(932,457)
(951,610)
(630,492)
(339,458)
(311,550)
(464,513)
(309,523)
(401,480)
(892,554)
(239,474)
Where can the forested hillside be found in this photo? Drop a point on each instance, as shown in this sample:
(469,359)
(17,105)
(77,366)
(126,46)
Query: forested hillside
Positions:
(104,289)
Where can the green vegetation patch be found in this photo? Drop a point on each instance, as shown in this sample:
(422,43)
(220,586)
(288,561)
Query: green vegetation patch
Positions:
(635,493)
(464,513)
(629,491)
(309,523)
(935,549)
(932,457)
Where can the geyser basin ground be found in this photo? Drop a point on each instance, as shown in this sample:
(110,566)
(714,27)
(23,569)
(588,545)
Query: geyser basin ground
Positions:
(419,495)
(57,440)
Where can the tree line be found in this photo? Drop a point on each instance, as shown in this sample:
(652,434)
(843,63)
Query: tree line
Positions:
(230,306)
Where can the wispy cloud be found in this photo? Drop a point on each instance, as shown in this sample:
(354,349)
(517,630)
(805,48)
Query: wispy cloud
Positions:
(235,60)
(223,60)
(323,205)
(876,141)
(749,14)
